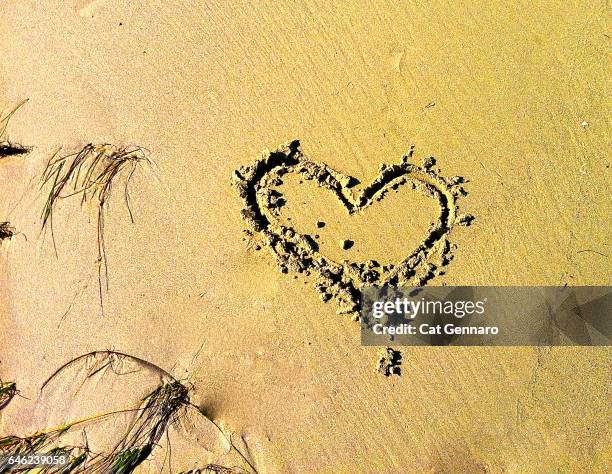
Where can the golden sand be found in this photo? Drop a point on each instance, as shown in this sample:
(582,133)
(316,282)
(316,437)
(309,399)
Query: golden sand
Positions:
(512,96)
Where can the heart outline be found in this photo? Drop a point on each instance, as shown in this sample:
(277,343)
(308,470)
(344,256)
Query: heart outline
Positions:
(300,253)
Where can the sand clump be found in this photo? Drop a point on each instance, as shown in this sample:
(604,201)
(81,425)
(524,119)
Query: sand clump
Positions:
(347,244)
(390,363)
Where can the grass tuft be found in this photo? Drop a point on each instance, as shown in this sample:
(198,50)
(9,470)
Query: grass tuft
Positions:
(91,174)
(7,391)
(216,469)
(6,231)
(8,148)
(164,406)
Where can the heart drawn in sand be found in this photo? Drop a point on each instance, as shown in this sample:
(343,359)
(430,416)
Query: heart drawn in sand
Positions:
(295,252)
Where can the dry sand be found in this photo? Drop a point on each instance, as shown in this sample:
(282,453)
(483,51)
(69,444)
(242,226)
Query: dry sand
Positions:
(513,96)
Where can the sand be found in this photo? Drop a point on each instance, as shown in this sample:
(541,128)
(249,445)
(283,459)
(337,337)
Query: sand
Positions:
(510,97)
